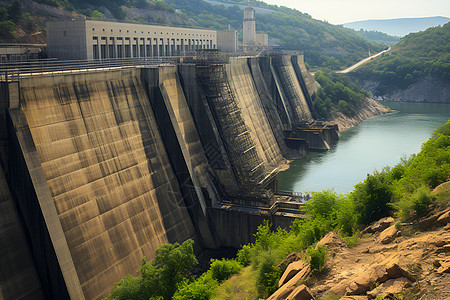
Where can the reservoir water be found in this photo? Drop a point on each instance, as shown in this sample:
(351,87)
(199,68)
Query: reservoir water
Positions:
(373,144)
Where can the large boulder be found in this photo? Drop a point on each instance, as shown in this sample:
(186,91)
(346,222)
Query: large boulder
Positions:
(378,274)
(289,286)
(333,242)
(432,220)
(292,270)
(301,293)
(388,235)
(379,225)
(294,256)
(390,287)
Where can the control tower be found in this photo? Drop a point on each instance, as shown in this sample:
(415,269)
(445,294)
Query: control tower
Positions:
(249,25)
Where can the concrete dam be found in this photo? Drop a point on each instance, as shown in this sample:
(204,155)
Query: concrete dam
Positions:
(100,167)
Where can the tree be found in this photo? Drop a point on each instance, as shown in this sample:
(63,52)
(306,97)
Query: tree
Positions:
(159,278)
(15,10)
(96,15)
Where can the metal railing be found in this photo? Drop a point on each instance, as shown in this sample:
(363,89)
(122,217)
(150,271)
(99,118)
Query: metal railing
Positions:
(14,70)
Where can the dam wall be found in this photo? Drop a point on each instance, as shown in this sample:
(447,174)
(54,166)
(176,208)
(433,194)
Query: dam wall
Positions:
(289,86)
(104,166)
(108,179)
(253,113)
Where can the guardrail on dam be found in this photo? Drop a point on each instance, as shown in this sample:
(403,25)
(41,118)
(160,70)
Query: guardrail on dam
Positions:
(102,166)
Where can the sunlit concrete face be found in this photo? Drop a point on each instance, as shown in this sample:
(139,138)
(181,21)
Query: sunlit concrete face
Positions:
(107,170)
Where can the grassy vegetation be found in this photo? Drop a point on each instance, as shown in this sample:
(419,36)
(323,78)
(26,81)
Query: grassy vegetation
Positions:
(417,55)
(404,190)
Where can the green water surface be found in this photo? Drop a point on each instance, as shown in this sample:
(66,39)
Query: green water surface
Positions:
(375,143)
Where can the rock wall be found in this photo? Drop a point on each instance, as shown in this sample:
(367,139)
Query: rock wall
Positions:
(427,89)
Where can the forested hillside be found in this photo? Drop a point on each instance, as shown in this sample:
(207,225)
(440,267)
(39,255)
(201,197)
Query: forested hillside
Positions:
(325,45)
(416,56)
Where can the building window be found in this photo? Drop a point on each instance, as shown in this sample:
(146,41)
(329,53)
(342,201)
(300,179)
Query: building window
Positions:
(95,38)
(95,51)
(93,29)
(64,33)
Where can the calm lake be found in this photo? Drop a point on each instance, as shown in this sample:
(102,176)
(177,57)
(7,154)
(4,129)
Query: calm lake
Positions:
(373,144)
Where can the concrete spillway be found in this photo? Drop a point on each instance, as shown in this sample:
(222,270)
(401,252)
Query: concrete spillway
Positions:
(253,113)
(102,167)
(290,89)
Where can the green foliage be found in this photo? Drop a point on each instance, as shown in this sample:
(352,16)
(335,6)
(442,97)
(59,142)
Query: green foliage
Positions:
(318,257)
(15,11)
(322,42)
(268,276)
(159,278)
(337,94)
(372,197)
(96,15)
(421,200)
(200,289)
(7,29)
(244,254)
(417,55)
(224,268)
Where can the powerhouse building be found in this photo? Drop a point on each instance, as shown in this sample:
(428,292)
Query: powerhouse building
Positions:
(91,39)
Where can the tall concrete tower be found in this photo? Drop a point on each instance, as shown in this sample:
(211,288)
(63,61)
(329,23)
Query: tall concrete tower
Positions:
(249,25)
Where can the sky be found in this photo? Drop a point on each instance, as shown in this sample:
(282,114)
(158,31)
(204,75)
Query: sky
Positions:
(343,11)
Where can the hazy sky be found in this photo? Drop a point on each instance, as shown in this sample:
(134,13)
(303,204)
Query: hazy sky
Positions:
(342,11)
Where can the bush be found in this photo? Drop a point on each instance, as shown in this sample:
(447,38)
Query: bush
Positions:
(200,289)
(317,257)
(372,197)
(159,278)
(421,200)
(268,276)
(224,268)
(244,254)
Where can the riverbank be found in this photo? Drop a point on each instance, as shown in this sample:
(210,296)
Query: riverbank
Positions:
(371,109)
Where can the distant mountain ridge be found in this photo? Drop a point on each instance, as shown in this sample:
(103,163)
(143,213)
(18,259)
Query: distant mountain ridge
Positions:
(398,27)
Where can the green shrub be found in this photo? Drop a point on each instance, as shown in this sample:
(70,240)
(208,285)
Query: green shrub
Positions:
(372,197)
(268,276)
(421,200)
(159,278)
(317,257)
(224,268)
(200,289)
(244,254)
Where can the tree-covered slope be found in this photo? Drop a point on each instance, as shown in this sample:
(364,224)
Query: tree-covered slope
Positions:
(417,55)
(286,27)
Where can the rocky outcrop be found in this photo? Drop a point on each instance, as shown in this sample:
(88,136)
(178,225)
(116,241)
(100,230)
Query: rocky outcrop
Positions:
(390,287)
(301,293)
(291,271)
(369,109)
(388,235)
(333,242)
(287,288)
(379,225)
(427,89)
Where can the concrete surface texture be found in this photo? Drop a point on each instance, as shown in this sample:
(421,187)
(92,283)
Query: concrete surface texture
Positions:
(107,171)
